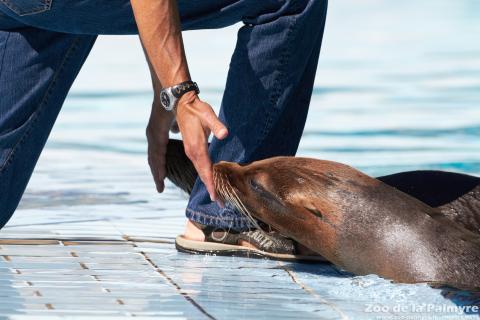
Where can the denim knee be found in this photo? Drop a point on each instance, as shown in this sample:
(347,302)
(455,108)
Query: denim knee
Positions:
(278,9)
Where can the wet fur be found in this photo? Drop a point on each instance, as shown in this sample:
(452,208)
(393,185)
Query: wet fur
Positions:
(180,170)
(456,195)
(360,223)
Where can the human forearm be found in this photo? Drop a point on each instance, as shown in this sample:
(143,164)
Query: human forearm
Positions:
(159,27)
(158,23)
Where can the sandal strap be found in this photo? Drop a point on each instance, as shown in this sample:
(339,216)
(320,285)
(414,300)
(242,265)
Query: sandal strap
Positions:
(270,242)
(265,241)
(219,235)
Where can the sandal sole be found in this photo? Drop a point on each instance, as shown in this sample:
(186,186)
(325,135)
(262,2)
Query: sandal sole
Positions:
(220,249)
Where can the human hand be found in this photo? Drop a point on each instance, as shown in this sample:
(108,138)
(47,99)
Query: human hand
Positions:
(196,119)
(161,121)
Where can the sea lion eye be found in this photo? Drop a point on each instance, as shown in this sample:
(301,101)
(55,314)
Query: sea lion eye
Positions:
(266,196)
(256,186)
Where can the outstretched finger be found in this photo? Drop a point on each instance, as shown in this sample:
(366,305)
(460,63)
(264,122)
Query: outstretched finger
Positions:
(203,165)
(157,179)
(216,126)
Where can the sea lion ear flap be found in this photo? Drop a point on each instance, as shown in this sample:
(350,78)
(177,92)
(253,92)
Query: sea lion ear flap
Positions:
(311,205)
(315,202)
(313,209)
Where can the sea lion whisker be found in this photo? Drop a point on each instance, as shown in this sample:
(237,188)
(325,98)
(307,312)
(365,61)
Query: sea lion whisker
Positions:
(220,188)
(219,183)
(233,199)
(228,193)
(246,212)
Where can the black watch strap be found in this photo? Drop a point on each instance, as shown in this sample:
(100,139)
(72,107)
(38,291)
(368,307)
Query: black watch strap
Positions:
(184,87)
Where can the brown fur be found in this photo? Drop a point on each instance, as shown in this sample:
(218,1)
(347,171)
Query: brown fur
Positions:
(355,221)
(358,222)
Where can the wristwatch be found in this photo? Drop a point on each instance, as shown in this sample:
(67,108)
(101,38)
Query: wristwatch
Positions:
(169,96)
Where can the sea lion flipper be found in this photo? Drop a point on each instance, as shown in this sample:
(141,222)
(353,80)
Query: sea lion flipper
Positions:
(180,170)
(433,187)
(455,195)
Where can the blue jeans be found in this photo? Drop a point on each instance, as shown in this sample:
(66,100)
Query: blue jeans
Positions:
(44,43)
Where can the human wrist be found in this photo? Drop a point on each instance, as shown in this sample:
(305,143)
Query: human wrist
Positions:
(159,115)
(187,99)
(173,80)
(178,95)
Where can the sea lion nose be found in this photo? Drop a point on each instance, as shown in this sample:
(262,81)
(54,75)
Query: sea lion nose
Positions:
(225,166)
(226,169)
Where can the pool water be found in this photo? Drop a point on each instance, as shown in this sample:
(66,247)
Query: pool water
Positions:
(397,88)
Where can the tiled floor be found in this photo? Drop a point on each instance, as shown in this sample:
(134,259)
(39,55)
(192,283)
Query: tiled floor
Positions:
(110,253)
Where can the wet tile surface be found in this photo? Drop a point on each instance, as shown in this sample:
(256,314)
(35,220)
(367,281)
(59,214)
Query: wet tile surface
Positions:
(109,260)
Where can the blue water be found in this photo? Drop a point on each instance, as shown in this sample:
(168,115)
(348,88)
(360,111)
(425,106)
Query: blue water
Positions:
(397,88)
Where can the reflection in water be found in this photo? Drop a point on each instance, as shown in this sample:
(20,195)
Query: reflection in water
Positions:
(462,298)
(69,198)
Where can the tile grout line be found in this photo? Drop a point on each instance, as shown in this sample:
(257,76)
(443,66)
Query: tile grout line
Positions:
(312,292)
(71,241)
(175,285)
(94,277)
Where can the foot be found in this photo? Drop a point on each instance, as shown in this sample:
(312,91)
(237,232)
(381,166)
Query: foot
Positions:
(192,232)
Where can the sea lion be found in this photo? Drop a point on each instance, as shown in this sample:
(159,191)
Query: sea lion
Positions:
(456,195)
(360,223)
(355,221)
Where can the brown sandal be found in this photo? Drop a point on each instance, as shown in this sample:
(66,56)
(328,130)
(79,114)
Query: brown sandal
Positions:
(223,242)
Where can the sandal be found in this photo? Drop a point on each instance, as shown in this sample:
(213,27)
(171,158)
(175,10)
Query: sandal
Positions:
(223,242)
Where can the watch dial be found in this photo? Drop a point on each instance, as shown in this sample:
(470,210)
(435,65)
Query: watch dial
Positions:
(165,100)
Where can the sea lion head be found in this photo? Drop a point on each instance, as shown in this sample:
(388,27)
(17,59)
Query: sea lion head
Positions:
(297,196)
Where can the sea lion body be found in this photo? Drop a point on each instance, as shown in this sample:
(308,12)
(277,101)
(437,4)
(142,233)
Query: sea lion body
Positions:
(418,226)
(357,222)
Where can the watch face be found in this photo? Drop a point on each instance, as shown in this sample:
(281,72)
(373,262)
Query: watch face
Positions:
(165,100)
